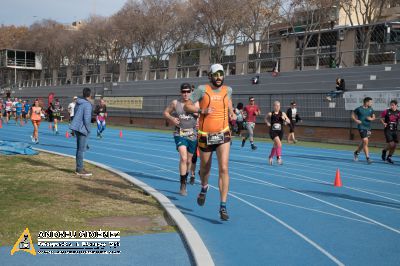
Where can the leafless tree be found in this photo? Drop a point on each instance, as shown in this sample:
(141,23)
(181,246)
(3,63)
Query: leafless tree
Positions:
(305,19)
(364,12)
(216,21)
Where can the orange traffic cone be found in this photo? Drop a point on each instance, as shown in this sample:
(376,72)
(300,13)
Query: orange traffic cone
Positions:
(120,133)
(67,134)
(338,181)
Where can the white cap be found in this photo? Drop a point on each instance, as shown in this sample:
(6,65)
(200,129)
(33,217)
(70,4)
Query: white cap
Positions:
(215,68)
(75,97)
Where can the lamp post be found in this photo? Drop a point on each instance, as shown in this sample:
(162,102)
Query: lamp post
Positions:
(332,26)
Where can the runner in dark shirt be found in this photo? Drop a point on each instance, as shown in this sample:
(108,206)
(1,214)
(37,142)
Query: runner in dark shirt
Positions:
(390,119)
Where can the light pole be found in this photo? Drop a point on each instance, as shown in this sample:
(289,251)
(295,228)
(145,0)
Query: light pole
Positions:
(332,26)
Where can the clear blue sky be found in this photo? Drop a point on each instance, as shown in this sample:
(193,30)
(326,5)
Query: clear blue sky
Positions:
(25,12)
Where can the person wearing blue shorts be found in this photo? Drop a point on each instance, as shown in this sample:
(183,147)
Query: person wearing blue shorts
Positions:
(185,134)
(25,110)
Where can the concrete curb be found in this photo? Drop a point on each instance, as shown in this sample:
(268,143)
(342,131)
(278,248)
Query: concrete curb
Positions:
(199,251)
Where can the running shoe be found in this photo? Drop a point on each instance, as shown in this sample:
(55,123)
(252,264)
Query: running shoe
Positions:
(369,161)
(182,189)
(57,133)
(201,198)
(271,160)
(98,135)
(356,156)
(243,142)
(253,147)
(36,141)
(83,173)
(383,155)
(33,139)
(389,160)
(279,161)
(192,180)
(223,214)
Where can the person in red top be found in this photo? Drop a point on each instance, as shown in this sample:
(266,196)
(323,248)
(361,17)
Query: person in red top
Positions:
(390,118)
(250,112)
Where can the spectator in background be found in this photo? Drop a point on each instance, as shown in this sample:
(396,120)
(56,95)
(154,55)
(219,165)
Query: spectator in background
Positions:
(71,108)
(294,118)
(340,88)
(233,71)
(81,126)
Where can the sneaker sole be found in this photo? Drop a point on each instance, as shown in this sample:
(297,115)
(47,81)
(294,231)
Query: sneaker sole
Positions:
(85,175)
(224,216)
(201,200)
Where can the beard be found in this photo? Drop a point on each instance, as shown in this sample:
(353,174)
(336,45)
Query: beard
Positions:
(214,82)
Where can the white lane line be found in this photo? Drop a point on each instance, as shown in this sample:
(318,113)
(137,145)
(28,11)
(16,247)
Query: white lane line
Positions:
(254,158)
(280,172)
(327,203)
(198,249)
(300,207)
(296,232)
(282,187)
(312,243)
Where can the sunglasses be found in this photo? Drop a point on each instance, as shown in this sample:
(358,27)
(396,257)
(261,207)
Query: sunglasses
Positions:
(183,92)
(251,100)
(218,74)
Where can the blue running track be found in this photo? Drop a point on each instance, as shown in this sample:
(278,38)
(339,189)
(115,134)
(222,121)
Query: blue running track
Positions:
(280,215)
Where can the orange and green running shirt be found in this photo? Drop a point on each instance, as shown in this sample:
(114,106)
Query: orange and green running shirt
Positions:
(218,120)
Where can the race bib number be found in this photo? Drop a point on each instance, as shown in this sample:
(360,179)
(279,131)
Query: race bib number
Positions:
(392,126)
(186,132)
(217,138)
(276,126)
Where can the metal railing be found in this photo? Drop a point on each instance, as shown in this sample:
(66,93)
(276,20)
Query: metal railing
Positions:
(313,58)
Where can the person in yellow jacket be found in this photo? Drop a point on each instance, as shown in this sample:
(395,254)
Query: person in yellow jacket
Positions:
(215,101)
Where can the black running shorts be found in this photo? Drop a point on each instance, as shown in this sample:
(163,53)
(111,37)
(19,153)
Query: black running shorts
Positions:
(391,135)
